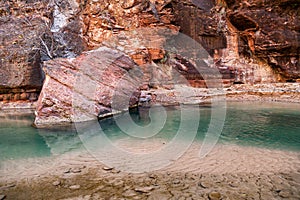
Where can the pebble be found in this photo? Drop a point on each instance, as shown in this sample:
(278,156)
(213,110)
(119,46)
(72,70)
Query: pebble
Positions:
(144,189)
(77,170)
(284,194)
(214,196)
(67,171)
(129,193)
(234,184)
(74,187)
(204,184)
(115,171)
(107,168)
(153,176)
(176,181)
(2,196)
(56,183)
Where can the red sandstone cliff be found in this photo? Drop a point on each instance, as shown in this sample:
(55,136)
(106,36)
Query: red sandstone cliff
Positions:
(253,41)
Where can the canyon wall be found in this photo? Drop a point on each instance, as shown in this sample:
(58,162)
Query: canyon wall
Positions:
(253,41)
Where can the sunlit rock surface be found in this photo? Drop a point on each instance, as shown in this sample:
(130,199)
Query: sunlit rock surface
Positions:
(95,83)
(250,42)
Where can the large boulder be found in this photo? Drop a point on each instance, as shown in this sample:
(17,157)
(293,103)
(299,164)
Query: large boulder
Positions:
(97,83)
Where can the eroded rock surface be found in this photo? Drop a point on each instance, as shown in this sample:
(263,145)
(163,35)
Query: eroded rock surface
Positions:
(20,73)
(98,82)
(249,42)
(268,30)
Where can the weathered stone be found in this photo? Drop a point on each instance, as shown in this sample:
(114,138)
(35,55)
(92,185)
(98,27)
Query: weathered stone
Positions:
(108,168)
(144,189)
(20,47)
(214,196)
(129,193)
(74,187)
(115,171)
(205,184)
(80,88)
(76,170)
(269,30)
(249,41)
(176,181)
(56,183)
(284,194)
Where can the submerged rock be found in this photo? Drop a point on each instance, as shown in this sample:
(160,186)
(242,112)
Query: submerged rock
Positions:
(100,81)
(144,189)
(214,196)
(56,183)
(74,187)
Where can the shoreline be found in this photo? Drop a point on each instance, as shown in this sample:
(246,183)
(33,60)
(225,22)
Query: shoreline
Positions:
(229,171)
(271,92)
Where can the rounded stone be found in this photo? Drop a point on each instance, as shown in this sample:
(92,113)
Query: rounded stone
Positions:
(284,194)
(214,196)
(74,187)
(56,183)
(204,184)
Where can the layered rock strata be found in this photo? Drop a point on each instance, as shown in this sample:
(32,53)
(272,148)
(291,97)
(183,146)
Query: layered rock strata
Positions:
(250,42)
(98,82)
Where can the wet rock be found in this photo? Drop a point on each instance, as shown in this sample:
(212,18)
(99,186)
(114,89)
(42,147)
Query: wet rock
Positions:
(66,171)
(214,196)
(107,168)
(74,187)
(129,193)
(205,184)
(234,184)
(115,171)
(284,194)
(144,189)
(176,181)
(56,183)
(76,170)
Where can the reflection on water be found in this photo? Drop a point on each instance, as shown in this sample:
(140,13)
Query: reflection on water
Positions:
(19,139)
(273,125)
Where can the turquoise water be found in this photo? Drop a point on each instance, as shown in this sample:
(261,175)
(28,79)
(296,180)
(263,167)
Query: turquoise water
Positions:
(266,125)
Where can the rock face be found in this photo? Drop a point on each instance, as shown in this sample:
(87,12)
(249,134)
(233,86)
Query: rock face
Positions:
(269,30)
(27,39)
(96,83)
(249,42)
(20,73)
(229,37)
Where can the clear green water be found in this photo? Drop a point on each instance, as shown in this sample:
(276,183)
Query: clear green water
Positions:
(266,125)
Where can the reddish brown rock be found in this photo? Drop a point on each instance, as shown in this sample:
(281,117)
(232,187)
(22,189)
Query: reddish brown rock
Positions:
(269,30)
(20,47)
(96,83)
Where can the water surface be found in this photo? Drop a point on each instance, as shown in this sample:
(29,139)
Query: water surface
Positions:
(264,125)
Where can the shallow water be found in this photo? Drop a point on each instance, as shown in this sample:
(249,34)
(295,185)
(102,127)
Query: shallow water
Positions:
(265,125)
